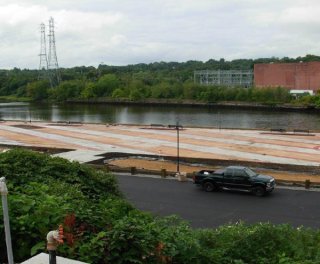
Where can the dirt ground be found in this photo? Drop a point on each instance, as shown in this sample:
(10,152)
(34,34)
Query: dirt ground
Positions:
(172,167)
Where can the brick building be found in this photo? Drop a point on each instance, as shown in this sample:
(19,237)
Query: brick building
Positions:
(294,76)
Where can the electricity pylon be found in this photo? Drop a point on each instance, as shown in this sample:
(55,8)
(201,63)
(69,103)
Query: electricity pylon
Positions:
(53,66)
(43,66)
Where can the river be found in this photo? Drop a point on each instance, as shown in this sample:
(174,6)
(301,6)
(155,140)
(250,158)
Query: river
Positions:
(146,115)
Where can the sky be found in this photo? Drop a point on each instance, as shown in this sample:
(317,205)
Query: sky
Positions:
(122,32)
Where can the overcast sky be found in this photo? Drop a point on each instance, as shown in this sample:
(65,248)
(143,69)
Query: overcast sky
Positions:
(121,32)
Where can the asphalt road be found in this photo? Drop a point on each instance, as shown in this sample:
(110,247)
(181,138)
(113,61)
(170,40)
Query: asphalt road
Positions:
(206,210)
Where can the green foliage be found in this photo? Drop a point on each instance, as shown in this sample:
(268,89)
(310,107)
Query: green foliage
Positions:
(38,90)
(309,100)
(101,227)
(159,80)
(106,85)
(317,100)
(13,98)
(19,166)
(262,243)
(119,93)
(88,91)
(13,80)
(132,239)
(40,197)
(138,90)
(68,90)
(192,91)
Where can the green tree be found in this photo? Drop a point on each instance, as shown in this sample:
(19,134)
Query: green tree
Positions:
(106,85)
(242,95)
(68,90)
(139,87)
(89,91)
(38,90)
(282,95)
(190,90)
(119,93)
(136,94)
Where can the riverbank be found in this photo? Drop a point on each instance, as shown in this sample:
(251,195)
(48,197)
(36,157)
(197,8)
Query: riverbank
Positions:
(13,98)
(194,103)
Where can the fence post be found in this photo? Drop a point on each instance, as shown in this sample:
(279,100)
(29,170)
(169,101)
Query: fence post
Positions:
(163,173)
(307,184)
(133,170)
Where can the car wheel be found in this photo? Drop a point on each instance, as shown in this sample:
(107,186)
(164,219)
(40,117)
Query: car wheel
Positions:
(209,187)
(259,191)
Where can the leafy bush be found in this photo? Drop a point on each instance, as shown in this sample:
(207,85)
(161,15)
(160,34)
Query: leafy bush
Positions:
(45,190)
(261,243)
(101,227)
(20,167)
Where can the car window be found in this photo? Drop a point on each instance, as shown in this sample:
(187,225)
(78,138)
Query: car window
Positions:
(240,173)
(228,173)
(250,172)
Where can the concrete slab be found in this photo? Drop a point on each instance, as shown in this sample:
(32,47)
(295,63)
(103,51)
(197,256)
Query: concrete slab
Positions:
(79,155)
(90,140)
(43,258)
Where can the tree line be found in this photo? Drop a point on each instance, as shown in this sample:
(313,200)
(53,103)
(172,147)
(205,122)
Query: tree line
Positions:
(159,80)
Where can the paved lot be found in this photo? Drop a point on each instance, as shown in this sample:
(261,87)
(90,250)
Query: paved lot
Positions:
(201,209)
(90,140)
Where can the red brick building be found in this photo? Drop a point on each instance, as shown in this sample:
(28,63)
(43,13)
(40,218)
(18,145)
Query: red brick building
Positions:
(294,76)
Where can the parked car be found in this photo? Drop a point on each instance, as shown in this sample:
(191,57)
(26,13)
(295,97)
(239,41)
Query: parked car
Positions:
(235,178)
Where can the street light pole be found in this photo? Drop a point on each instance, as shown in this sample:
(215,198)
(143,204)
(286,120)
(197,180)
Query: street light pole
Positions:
(177,127)
(178,153)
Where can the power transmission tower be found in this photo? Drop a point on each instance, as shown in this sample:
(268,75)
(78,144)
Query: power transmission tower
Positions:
(43,66)
(53,66)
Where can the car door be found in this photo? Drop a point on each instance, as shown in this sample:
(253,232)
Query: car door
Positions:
(228,178)
(241,179)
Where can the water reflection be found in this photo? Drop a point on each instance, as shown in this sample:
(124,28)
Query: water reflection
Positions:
(187,116)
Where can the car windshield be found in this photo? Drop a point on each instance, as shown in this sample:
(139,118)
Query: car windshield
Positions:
(251,173)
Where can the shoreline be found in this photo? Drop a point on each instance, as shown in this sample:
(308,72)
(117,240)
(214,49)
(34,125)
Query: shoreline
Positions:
(192,103)
(267,131)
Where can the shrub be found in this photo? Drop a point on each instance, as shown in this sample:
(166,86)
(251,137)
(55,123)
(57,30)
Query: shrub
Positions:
(45,190)
(101,227)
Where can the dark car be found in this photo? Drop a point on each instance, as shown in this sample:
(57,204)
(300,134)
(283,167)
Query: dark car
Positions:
(235,178)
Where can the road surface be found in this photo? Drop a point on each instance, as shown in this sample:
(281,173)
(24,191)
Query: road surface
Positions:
(209,210)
